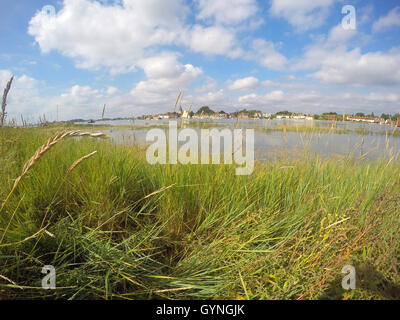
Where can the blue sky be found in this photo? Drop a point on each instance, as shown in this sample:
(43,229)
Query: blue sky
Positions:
(135,56)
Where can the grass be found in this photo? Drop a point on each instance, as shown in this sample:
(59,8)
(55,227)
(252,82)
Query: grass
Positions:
(116,227)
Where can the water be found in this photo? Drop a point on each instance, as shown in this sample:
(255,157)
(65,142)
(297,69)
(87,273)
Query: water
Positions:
(277,144)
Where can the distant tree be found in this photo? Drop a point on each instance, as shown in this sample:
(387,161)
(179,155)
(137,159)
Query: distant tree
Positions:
(286,113)
(205,110)
(331,113)
(360,114)
(395,116)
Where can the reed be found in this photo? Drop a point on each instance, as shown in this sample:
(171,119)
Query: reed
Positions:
(4,101)
(51,143)
(45,148)
(104,110)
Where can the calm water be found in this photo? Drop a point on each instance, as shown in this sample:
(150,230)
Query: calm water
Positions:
(277,144)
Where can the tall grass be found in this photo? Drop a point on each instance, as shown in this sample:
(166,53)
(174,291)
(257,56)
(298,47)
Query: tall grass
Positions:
(4,101)
(116,227)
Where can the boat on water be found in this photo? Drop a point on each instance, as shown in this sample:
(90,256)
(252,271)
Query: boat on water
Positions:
(91,121)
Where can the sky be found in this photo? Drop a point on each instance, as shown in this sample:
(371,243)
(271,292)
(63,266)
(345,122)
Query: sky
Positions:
(71,57)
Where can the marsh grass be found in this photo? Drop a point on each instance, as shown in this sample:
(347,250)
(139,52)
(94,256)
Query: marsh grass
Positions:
(116,227)
(4,101)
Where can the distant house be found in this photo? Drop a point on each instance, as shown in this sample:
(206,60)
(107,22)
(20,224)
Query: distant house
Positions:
(363,119)
(171,115)
(330,117)
(309,118)
(398,121)
(280,116)
(299,117)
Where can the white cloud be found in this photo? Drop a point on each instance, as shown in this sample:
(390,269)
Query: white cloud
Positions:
(212,98)
(112,36)
(265,53)
(23,95)
(164,65)
(383,97)
(166,76)
(244,84)
(112,90)
(392,19)
(119,37)
(213,40)
(339,36)
(355,68)
(261,100)
(304,14)
(288,77)
(334,44)
(284,85)
(226,12)
(78,91)
(209,85)
(334,62)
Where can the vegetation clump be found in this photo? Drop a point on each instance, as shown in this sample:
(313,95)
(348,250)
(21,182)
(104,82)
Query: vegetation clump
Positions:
(116,227)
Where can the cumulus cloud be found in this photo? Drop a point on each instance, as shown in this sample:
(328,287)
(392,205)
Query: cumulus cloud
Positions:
(112,90)
(261,100)
(113,36)
(383,97)
(226,12)
(265,53)
(335,62)
(212,98)
(209,85)
(119,36)
(335,43)
(244,84)
(213,40)
(392,19)
(304,15)
(164,65)
(23,96)
(166,76)
(354,68)
(78,91)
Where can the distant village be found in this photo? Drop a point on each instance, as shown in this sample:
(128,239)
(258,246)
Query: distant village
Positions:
(207,113)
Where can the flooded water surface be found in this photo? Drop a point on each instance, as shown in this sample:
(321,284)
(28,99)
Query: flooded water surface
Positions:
(282,138)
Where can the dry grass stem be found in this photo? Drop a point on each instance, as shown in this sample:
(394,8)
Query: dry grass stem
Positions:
(77,162)
(4,102)
(46,147)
